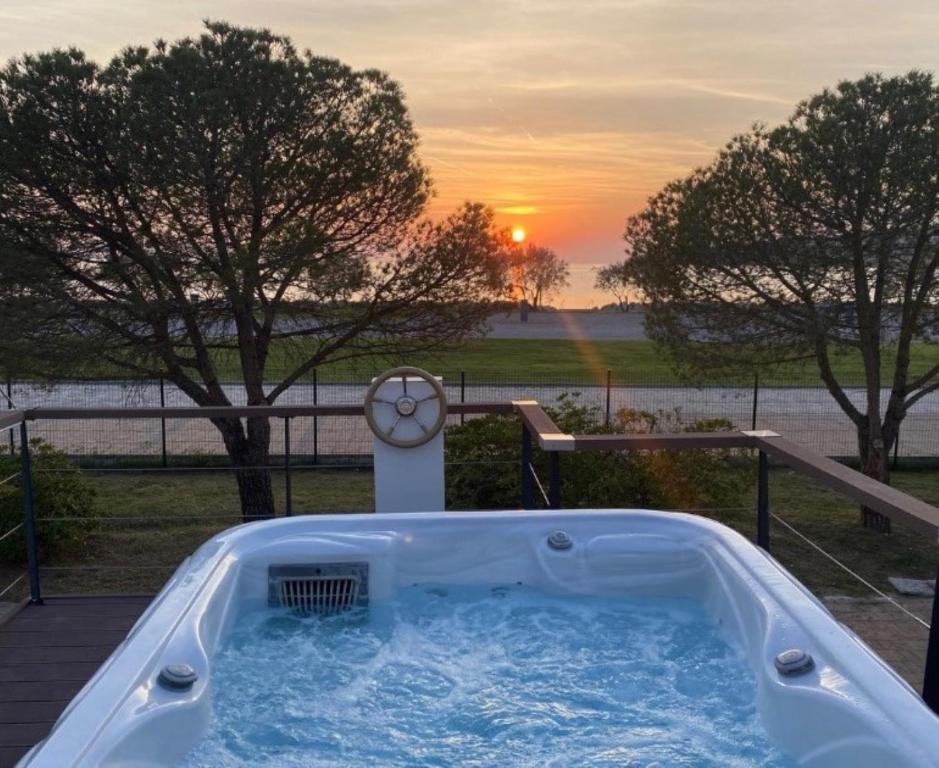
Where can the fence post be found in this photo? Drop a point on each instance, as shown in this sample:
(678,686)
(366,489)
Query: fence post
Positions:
(29,518)
(609,377)
(762,503)
(288,490)
(554,479)
(162,422)
(316,423)
(462,391)
(527,483)
(896,449)
(931,676)
(756,398)
(10,407)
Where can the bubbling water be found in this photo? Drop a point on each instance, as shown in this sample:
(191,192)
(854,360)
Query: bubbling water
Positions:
(485,677)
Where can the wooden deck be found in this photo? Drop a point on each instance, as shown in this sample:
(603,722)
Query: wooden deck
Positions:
(47,653)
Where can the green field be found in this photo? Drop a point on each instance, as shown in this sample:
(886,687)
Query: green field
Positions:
(153,520)
(538,360)
(527,360)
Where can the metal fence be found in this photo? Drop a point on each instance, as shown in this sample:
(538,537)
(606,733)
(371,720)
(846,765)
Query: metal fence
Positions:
(808,414)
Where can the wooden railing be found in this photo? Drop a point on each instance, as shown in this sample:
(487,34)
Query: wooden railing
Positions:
(881,498)
(229,411)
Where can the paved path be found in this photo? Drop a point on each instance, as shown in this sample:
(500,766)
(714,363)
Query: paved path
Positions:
(898,639)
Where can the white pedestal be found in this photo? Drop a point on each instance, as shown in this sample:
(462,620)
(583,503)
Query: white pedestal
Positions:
(408,479)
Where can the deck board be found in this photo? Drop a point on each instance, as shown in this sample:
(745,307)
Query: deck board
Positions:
(47,653)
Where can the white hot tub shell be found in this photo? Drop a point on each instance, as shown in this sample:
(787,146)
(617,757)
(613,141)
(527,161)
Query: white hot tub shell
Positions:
(850,711)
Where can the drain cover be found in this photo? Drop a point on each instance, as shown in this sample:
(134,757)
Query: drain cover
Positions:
(793,662)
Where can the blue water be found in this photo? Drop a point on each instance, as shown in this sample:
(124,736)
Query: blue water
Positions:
(485,677)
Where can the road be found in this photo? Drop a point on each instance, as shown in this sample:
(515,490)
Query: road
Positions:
(575,325)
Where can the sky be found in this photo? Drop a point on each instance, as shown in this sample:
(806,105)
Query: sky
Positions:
(563,115)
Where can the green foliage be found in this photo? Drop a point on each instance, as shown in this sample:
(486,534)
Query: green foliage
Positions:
(613,279)
(536,273)
(483,464)
(224,181)
(60,491)
(802,241)
(258,184)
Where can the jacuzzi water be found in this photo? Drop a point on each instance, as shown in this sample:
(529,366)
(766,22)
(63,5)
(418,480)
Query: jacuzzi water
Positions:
(649,642)
(447,676)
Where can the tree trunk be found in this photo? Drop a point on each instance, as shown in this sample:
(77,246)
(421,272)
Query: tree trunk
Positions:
(251,450)
(874,452)
(254,491)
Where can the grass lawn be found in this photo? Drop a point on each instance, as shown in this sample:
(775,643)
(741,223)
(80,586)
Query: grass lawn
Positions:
(180,510)
(550,360)
(534,360)
(171,514)
(832,522)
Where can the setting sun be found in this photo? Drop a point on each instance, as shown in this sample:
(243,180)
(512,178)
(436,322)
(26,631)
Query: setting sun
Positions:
(518,234)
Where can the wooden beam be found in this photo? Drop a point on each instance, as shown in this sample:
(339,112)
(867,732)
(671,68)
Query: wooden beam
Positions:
(896,505)
(548,434)
(676,441)
(242,411)
(10,419)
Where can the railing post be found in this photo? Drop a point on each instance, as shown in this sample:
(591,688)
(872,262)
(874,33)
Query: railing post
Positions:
(462,392)
(527,482)
(288,490)
(554,479)
(316,424)
(931,676)
(609,382)
(762,503)
(10,407)
(29,517)
(756,398)
(162,422)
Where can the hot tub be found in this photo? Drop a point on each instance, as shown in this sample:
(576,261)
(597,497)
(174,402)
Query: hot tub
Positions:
(628,638)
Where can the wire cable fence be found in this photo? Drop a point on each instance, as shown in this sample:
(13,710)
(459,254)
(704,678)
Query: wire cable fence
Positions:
(895,626)
(850,572)
(805,412)
(534,475)
(6,584)
(17,581)
(120,541)
(15,529)
(148,520)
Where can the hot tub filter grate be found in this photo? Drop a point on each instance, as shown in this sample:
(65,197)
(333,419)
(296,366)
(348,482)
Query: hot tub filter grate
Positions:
(322,589)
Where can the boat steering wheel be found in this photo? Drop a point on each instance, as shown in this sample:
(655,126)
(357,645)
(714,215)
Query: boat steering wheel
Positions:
(406,407)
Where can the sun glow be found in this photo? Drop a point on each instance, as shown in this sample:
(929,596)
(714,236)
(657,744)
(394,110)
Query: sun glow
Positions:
(518,235)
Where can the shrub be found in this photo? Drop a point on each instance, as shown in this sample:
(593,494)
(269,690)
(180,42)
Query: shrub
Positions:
(483,464)
(60,491)
(687,479)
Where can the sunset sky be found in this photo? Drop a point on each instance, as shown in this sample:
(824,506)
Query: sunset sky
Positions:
(563,115)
